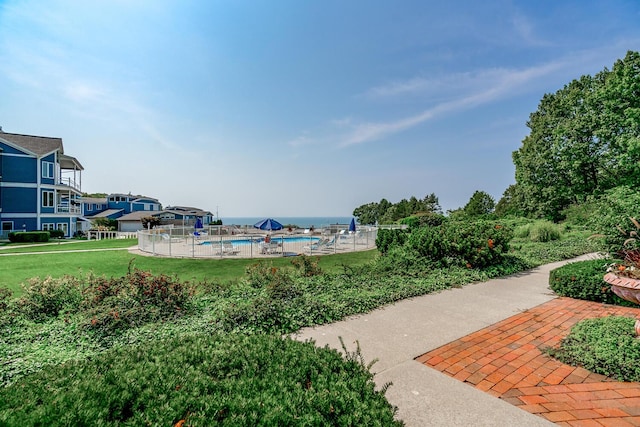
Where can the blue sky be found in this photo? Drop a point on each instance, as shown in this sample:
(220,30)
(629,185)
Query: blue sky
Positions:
(297,108)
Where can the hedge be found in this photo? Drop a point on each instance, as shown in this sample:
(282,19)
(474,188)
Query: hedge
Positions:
(28,236)
(584,280)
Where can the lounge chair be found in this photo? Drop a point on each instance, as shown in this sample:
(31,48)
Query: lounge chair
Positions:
(229,249)
(270,247)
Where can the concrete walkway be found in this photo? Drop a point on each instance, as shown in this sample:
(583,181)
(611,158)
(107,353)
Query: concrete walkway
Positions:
(399,333)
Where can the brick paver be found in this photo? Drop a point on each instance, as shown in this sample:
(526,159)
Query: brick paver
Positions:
(507,360)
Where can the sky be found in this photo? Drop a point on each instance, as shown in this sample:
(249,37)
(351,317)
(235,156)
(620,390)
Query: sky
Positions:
(297,108)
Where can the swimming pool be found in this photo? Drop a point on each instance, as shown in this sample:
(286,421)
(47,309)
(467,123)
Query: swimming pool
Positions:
(258,240)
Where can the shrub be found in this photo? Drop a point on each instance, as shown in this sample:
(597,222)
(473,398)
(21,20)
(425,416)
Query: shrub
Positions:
(388,238)
(56,234)
(45,298)
(28,236)
(544,231)
(607,346)
(200,381)
(139,297)
(307,266)
(475,244)
(584,280)
(522,231)
(611,218)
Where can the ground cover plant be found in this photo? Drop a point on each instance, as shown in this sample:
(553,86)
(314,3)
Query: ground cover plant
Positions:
(607,346)
(203,380)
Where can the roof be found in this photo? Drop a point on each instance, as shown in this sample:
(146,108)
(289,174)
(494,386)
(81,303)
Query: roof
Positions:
(105,214)
(134,197)
(137,216)
(187,210)
(97,200)
(41,145)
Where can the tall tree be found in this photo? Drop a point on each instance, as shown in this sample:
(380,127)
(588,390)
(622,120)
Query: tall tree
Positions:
(583,140)
(481,203)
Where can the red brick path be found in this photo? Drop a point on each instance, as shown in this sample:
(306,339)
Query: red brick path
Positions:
(506,360)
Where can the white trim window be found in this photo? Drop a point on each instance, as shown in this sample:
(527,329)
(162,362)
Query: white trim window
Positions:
(64,227)
(48,199)
(48,227)
(48,170)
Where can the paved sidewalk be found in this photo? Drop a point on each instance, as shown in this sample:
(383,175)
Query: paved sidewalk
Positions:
(399,333)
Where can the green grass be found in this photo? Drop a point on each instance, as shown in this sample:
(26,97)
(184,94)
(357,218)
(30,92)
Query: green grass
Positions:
(17,269)
(66,245)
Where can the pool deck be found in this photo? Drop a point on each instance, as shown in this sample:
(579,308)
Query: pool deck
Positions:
(226,246)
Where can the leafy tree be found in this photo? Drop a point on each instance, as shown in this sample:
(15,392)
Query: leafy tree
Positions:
(480,204)
(386,212)
(150,221)
(583,140)
(108,223)
(510,203)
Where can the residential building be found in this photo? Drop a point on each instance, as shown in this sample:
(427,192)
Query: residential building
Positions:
(117,205)
(40,186)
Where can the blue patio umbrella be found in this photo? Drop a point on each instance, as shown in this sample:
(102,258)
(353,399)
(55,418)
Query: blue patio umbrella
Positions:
(352,225)
(268,224)
(198,223)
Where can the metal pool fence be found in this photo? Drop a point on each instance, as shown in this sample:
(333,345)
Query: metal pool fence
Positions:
(229,243)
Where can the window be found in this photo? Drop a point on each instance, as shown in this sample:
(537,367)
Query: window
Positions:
(47,169)
(47,199)
(64,227)
(7,225)
(48,227)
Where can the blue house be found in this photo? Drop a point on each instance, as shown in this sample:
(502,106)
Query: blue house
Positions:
(40,186)
(117,205)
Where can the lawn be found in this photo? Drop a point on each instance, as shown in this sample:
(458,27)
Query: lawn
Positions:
(113,263)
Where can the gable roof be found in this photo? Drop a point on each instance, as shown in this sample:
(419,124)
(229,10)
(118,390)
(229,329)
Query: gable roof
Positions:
(41,145)
(97,200)
(136,216)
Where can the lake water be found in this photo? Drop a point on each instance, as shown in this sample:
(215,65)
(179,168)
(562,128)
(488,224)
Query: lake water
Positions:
(300,221)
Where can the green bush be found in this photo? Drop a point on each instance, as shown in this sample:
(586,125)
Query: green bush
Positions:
(28,236)
(544,231)
(522,231)
(611,216)
(388,238)
(474,244)
(48,297)
(56,234)
(584,280)
(606,346)
(202,381)
(113,304)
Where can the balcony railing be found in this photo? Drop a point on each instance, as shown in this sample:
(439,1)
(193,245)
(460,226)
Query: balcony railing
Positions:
(70,209)
(70,183)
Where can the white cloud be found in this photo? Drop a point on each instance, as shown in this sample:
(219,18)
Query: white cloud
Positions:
(471,90)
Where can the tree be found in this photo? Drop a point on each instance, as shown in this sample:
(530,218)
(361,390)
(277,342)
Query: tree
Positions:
(150,221)
(480,204)
(386,212)
(510,203)
(583,140)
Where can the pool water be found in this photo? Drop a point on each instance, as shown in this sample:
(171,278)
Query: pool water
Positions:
(284,240)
